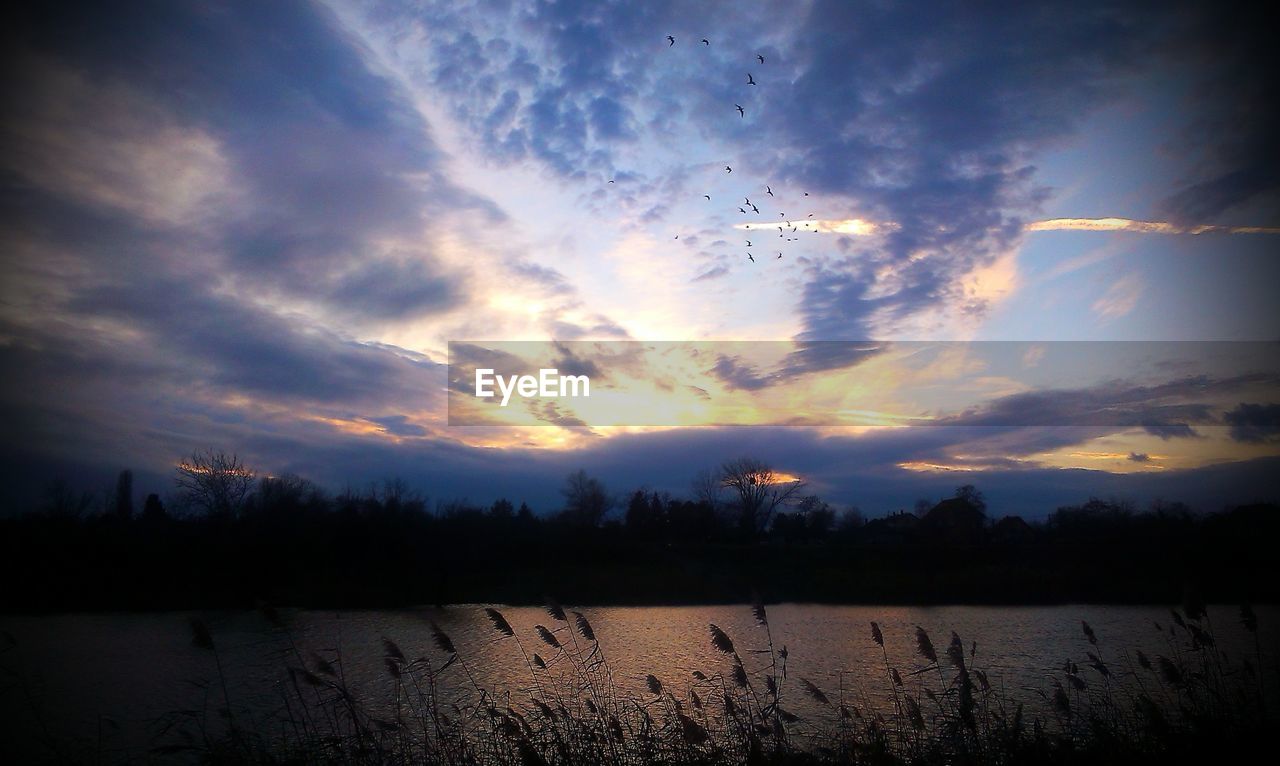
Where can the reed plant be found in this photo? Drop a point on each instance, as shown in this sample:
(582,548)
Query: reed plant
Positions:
(1109,704)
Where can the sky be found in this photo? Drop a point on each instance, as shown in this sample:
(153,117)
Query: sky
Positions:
(257,227)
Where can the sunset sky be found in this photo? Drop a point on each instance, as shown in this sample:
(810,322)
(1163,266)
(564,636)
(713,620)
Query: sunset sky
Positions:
(257,227)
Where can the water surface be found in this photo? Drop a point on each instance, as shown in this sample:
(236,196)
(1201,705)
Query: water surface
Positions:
(102,683)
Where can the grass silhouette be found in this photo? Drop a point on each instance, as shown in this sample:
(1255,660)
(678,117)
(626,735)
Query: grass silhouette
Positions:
(1189,701)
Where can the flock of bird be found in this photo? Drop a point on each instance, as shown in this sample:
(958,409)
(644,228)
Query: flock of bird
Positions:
(785,226)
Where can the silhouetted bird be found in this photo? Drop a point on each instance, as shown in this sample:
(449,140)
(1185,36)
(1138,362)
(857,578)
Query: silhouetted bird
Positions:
(779,255)
(752,257)
(705,41)
(728,169)
(671,41)
(760,57)
(756,209)
(740,112)
(610,180)
(750,80)
(769,191)
(806,194)
(740,210)
(708,196)
(748,199)
(748,243)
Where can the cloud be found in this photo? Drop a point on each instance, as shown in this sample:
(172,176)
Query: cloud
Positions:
(1165,409)
(1254,423)
(399,425)
(282,165)
(929,120)
(1120,298)
(1141,227)
(738,375)
(1235,114)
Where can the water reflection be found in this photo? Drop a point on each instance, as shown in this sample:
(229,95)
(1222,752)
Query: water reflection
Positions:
(72,671)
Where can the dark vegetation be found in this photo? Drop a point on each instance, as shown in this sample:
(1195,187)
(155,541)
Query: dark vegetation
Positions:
(1187,702)
(227,537)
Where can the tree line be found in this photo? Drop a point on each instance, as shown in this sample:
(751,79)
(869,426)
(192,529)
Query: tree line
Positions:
(227,535)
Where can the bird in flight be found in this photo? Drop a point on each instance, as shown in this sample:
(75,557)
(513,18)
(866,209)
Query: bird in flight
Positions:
(806,194)
(769,191)
(779,255)
(752,257)
(728,169)
(750,80)
(760,57)
(741,113)
(610,180)
(708,196)
(748,199)
(740,210)
(748,243)
(670,41)
(756,209)
(705,41)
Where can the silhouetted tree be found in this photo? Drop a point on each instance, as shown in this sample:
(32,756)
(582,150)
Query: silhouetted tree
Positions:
(759,490)
(957,520)
(215,482)
(502,510)
(124,494)
(287,494)
(818,516)
(646,514)
(851,519)
(586,501)
(153,510)
(970,494)
(708,489)
(60,501)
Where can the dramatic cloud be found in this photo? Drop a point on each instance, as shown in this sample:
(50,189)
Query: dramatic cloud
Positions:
(259,225)
(1255,423)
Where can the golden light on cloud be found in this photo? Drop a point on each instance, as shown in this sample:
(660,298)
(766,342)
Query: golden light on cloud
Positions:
(920,466)
(861,227)
(1142,227)
(857,227)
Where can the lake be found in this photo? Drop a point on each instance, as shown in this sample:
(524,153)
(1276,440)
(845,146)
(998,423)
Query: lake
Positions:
(102,683)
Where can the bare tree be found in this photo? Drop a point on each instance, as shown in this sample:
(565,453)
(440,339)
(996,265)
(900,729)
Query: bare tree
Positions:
(708,489)
(124,494)
(216,482)
(586,501)
(62,502)
(759,489)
